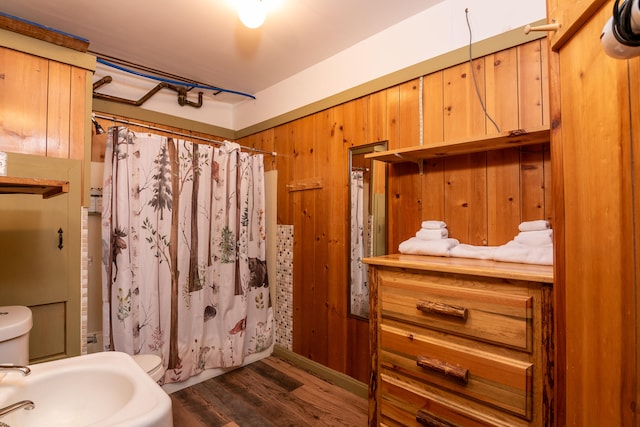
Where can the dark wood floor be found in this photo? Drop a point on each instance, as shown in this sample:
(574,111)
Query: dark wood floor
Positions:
(270,392)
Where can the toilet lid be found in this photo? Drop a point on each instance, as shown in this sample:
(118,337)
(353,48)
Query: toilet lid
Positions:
(148,362)
(15,320)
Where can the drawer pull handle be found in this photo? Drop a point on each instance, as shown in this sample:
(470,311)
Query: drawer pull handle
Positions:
(455,371)
(429,420)
(441,308)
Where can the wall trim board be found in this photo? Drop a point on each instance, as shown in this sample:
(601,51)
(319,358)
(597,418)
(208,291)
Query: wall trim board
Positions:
(47,50)
(482,48)
(341,380)
(137,113)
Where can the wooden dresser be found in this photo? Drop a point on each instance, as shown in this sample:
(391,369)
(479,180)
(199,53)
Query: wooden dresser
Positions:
(460,342)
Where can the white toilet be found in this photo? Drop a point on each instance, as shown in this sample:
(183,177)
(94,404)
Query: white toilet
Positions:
(152,364)
(15,324)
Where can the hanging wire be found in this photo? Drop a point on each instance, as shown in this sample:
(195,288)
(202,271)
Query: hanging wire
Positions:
(184,135)
(171,81)
(466,11)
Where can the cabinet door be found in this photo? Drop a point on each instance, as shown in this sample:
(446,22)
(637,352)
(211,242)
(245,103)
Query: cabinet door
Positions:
(595,270)
(40,255)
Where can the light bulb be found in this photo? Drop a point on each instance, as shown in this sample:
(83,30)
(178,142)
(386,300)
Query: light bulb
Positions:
(252,13)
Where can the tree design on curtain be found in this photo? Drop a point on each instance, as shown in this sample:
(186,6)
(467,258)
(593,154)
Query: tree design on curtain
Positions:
(183,231)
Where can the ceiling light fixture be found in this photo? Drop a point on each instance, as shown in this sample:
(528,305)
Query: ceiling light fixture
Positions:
(252,13)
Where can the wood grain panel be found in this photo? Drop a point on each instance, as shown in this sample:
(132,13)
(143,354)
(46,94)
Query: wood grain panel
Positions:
(358,351)
(355,123)
(284,163)
(331,240)
(532,182)
(503,196)
(309,296)
(266,142)
(634,74)
(393,117)
(501,85)
(548,193)
(409,114)
(463,116)
(432,108)
(433,187)
(303,137)
(78,122)
(466,198)
(546,97)
(405,205)
(58,110)
(530,88)
(23,104)
(377,117)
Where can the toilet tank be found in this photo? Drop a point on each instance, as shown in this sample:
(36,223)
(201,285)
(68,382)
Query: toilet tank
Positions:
(15,324)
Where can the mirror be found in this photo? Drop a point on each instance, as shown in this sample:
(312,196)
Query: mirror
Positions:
(367,221)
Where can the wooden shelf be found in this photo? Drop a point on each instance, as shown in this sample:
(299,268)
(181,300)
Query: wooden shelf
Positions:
(476,267)
(47,188)
(509,139)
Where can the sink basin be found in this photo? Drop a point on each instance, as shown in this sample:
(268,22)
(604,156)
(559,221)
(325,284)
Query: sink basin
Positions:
(97,390)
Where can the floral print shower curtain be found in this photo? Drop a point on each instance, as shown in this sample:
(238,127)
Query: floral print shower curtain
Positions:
(184,267)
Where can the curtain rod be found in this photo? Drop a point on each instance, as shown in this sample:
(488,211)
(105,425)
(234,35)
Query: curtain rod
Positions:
(215,141)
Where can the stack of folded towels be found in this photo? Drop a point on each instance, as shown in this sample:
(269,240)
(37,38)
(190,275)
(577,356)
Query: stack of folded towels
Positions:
(532,245)
(431,239)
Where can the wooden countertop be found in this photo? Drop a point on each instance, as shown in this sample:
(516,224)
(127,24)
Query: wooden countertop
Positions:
(477,267)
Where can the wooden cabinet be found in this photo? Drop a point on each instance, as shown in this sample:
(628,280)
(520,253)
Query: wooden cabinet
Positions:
(460,342)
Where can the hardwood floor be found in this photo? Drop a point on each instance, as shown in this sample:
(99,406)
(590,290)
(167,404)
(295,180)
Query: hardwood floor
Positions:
(269,392)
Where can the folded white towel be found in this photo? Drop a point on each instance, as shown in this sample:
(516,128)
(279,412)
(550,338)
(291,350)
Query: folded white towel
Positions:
(432,234)
(539,224)
(433,225)
(464,250)
(517,252)
(535,238)
(439,247)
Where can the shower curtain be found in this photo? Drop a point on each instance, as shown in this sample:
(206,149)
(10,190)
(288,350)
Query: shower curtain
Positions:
(359,274)
(184,267)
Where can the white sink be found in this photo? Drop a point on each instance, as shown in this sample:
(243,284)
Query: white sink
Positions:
(106,389)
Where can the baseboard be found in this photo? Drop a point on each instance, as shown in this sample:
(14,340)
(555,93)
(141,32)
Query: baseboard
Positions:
(341,380)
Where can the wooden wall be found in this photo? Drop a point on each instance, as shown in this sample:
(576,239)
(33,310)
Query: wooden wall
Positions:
(43,107)
(482,197)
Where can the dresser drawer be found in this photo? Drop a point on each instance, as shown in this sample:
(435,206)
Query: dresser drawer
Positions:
(402,400)
(484,308)
(493,376)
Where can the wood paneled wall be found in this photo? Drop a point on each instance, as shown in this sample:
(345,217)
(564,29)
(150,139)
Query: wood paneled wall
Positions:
(43,108)
(482,196)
